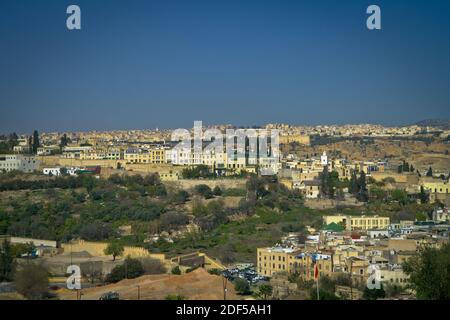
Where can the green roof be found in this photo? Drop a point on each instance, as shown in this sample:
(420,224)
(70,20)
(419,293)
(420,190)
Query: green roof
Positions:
(334,227)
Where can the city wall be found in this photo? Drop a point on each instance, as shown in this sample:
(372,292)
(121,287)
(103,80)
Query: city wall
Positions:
(97,249)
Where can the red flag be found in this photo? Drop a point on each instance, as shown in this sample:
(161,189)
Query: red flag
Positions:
(316,271)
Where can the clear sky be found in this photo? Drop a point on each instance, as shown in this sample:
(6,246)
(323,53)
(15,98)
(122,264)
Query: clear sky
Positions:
(165,63)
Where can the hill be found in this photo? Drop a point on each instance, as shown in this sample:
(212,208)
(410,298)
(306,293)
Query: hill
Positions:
(196,285)
(441,123)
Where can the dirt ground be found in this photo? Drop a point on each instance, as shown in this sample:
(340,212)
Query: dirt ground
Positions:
(196,285)
(11,296)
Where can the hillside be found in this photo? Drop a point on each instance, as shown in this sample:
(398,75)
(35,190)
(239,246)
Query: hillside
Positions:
(441,123)
(196,285)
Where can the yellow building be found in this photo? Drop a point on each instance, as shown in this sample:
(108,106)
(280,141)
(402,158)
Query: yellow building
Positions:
(155,156)
(438,190)
(279,259)
(276,259)
(358,222)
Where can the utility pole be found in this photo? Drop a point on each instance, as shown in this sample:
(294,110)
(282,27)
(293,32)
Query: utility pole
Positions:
(139,292)
(224,286)
(351,279)
(318,297)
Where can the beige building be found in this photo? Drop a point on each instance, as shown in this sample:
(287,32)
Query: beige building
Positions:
(358,222)
(275,260)
(394,276)
(438,190)
(295,138)
(154,155)
(19,162)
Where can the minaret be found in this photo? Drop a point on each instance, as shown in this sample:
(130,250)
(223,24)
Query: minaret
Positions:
(324,159)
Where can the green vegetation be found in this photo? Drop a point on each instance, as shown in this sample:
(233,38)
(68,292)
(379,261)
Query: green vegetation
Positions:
(176,270)
(63,208)
(429,273)
(204,191)
(130,269)
(264,291)
(234,192)
(35,144)
(114,249)
(242,286)
(405,167)
(82,206)
(330,185)
(7,265)
(32,281)
(374,294)
(7,143)
(326,289)
(200,171)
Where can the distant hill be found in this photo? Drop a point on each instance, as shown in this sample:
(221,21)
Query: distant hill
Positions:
(441,123)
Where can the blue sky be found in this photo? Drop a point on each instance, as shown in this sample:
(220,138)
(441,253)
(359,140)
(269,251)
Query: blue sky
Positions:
(165,63)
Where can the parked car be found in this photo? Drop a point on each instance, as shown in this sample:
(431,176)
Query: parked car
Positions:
(112,295)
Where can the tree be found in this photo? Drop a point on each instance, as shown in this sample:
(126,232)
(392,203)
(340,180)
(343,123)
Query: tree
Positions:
(96,231)
(430,172)
(171,220)
(23,249)
(200,171)
(265,291)
(6,262)
(180,197)
(35,145)
(64,141)
(204,190)
(324,187)
(32,281)
(241,286)
(129,269)
(89,183)
(373,294)
(393,290)
(423,196)
(114,249)
(354,188)
(363,194)
(176,270)
(217,191)
(399,195)
(429,273)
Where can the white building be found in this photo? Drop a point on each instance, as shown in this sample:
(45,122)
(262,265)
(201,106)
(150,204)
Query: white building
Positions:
(56,171)
(441,215)
(324,159)
(378,233)
(19,162)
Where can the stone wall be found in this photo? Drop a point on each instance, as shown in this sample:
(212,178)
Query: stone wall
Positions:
(97,249)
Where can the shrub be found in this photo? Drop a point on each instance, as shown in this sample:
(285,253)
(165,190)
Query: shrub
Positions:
(130,269)
(176,270)
(242,286)
(32,281)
